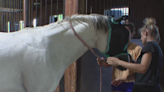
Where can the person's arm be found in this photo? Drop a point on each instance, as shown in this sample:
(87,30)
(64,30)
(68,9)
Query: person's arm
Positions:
(139,68)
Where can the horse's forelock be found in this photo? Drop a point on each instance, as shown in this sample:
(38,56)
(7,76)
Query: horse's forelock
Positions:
(100,22)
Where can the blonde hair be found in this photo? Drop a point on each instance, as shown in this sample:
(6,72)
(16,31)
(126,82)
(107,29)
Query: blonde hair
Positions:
(150,24)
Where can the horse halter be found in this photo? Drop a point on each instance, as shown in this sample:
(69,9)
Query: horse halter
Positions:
(109,38)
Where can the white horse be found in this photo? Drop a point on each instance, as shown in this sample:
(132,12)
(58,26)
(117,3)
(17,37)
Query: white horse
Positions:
(35,59)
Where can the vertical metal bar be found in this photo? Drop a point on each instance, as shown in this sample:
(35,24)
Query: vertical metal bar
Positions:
(14,14)
(2,16)
(107,4)
(29,12)
(18,14)
(57,7)
(114,7)
(24,12)
(104,8)
(138,13)
(119,7)
(36,13)
(18,9)
(86,3)
(40,12)
(91,6)
(135,6)
(5,15)
(51,13)
(108,7)
(144,6)
(124,10)
(127,5)
(111,5)
(9,10)
(45,11)
(99,7)
(21,8)
(10,15)
(63,8)
(32,11)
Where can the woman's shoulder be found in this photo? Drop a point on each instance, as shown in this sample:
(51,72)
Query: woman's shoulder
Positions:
(149,46)
(151,43)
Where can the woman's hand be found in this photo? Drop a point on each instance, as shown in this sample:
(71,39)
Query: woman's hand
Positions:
(113,61)
(117,82)
(102,62)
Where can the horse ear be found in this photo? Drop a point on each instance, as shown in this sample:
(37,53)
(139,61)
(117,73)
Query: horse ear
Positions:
(119,19)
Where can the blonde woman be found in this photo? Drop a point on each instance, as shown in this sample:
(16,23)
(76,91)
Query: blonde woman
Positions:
(149,64)
(134,50)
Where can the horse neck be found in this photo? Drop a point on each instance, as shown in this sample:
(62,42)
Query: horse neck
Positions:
(68,46)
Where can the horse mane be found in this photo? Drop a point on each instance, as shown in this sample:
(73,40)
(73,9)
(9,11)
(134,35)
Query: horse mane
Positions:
(100,22)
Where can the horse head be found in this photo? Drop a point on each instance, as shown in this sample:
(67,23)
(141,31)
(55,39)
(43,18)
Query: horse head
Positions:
(97,27)
(119,40)
(101,24)
(108,35)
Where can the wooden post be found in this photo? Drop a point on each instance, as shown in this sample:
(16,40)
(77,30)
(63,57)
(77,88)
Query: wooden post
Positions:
(71,7)
(25,13)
